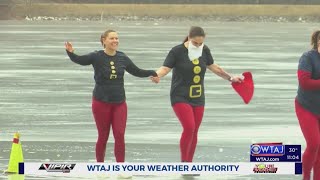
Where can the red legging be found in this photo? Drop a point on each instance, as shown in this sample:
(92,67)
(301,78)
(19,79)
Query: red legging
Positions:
(190,118)
(106,115)
(310,126)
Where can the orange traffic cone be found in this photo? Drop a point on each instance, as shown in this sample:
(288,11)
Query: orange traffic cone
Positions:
(16,155)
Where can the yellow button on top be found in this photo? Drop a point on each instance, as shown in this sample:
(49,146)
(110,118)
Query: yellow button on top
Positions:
(196,79)
(111,63)
(195,61)
(197,69)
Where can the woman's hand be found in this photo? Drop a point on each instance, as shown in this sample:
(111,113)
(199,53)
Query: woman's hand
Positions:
(155,79)
(237,79)
(69,47)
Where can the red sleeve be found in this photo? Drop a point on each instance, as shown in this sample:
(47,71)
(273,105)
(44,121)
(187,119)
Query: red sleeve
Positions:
(306,82)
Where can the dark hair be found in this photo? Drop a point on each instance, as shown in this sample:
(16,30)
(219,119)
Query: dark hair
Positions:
(315,39)
(104,35)
(195,31)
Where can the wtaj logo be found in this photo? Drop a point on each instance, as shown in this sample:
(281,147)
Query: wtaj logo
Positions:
(262,168)
(65,168)
(267,149)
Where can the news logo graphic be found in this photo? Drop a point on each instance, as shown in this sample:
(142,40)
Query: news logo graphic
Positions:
(275,152)
(56,167)
(272,149)
(263,168)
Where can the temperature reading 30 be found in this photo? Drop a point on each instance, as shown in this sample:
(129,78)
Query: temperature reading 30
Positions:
(293,149)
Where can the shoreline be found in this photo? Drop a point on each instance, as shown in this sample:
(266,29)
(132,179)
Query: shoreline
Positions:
(276,19)
(162,12)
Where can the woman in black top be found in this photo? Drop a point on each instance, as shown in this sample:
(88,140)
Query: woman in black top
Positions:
(109,101)
(189,61)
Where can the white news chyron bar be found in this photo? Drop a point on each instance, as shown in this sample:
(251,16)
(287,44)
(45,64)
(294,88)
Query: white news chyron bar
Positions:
(232,168)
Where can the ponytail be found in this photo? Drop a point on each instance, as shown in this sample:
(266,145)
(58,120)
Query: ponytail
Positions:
(185,39)
(101,40)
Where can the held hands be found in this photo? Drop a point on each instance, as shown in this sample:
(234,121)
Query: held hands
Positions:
(69,47)
(155,79)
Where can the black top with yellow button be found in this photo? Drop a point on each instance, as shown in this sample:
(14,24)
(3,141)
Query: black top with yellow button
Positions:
(109,72)
(187,76)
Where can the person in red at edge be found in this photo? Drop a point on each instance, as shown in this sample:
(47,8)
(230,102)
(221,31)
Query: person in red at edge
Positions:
(189,61)
(307,107)
(109,101)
